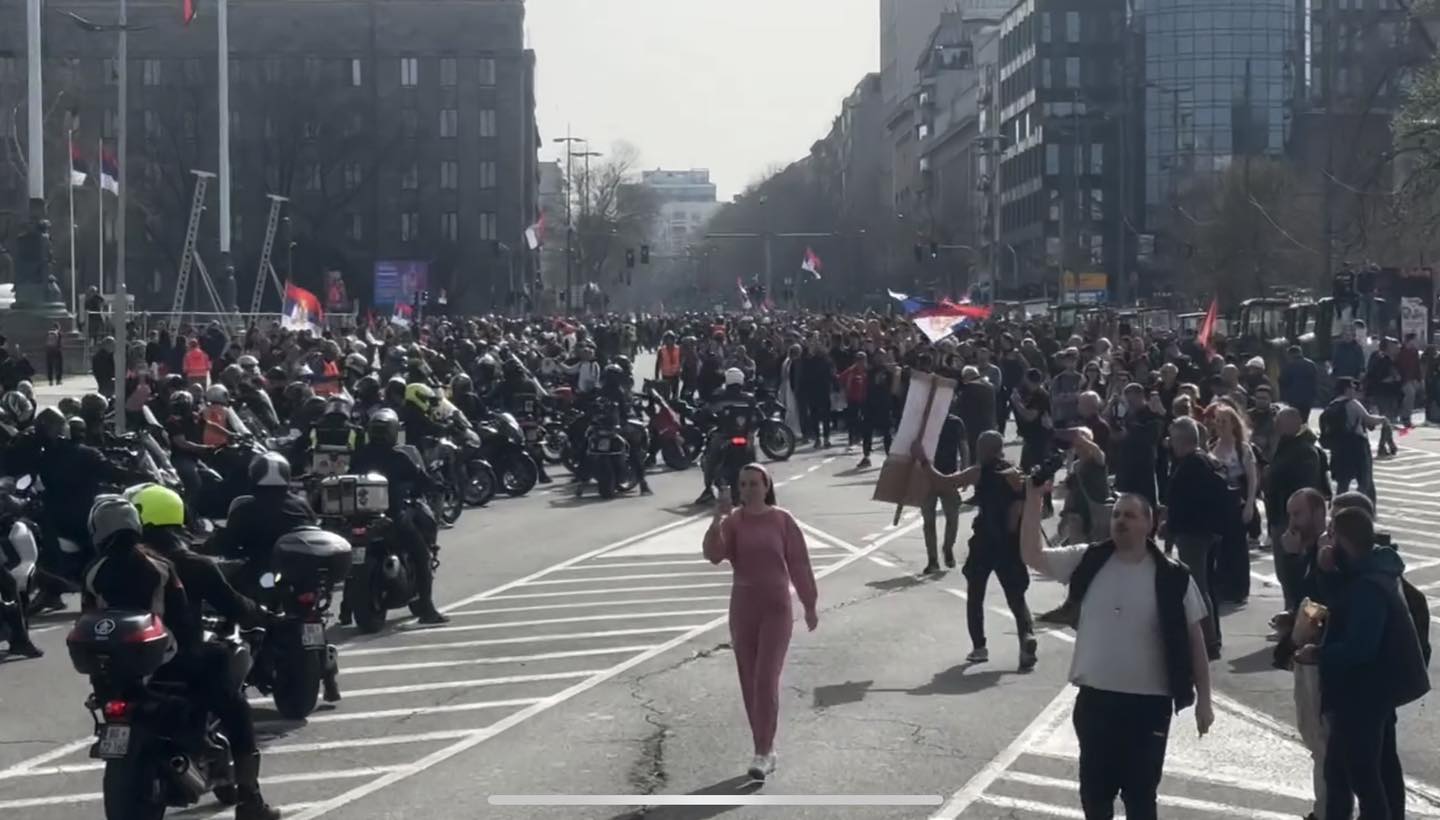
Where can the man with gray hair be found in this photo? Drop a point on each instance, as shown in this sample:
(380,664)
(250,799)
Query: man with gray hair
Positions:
(1197,489)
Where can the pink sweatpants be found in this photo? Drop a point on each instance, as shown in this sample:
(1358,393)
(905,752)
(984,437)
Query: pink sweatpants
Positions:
(760,634)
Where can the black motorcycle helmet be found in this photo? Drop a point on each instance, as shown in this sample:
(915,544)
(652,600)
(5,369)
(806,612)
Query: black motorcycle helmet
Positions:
(461,385)
(613,375)
(68,406)
(174,382)
(78,428)
(512,369)
(395,391)
(275,375)
(93,408)
(51,424)
(384,427)
(231,377)
(622,362)
(296,393)
(367,389)
(182,403)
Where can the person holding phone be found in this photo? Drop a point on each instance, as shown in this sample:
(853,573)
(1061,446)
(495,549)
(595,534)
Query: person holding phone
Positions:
(767,551)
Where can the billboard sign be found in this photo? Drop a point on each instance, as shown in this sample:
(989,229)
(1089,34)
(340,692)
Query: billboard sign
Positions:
(397,281)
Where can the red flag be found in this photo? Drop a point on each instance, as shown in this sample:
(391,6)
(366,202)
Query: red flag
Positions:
(1207,328)
(302,309)
(188,10)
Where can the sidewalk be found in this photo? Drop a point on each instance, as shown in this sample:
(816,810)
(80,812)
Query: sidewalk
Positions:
(74,387)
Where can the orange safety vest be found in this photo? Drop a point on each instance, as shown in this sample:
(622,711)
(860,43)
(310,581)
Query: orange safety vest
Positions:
(329,384)
(197,365)
(215,419)
(670,361)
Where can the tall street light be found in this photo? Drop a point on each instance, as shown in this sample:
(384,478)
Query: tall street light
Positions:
(569,214)
(585,188)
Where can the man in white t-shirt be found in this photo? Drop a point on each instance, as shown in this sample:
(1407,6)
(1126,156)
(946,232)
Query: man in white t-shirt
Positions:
(1139,652)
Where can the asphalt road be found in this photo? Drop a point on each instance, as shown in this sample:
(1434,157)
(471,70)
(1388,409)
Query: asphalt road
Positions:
(588,656)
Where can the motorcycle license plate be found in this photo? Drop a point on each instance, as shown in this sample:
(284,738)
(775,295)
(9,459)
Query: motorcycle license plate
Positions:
(114,741)
(357,555)
(312,635)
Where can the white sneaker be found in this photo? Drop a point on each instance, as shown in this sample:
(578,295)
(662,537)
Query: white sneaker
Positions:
(762,766)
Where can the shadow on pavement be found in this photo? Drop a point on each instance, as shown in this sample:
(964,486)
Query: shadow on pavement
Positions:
(902,582)
(1261,660)
(841,694)
(957,680)
(741,784)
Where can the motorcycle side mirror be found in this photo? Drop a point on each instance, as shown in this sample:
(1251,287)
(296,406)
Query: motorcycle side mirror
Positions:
(267,581)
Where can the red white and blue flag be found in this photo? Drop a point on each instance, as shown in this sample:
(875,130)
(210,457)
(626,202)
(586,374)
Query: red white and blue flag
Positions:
(939,319)
(302,309)
(811,264)
(109,173)
(78,168)
(403,314)
(535,234)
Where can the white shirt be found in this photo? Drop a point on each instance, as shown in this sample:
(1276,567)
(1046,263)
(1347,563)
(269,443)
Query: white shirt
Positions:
(587,376)
(1118,643)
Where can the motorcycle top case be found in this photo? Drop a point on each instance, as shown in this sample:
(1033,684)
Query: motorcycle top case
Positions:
(346,495)
(121,644)
(307,552)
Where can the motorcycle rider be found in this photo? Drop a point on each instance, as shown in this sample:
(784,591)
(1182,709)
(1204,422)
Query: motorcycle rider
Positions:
(736,414)
(614,387)
(416,525)
(464,397)
(367,398)
(220,422)
(186,440)
(93,408)
(417,416)
(256,521)
(11,611)
(519,393)
(144,559)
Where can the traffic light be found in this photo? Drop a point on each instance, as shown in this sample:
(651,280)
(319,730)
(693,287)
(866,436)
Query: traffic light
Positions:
(644,254)
(629,257)
(934,250)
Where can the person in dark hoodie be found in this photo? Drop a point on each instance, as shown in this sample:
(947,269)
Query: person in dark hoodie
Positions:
(1371,663)
(1299,462)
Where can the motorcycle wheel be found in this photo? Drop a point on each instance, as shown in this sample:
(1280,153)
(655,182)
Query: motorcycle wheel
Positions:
(777,440)
(603,471)
(520,475)
(479,485)
(451,504)
(554,445)
(675,455)
(132,789)
(368,606)
(227,795)
(297,685)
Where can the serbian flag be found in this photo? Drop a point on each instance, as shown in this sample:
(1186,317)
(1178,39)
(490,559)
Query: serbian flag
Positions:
(1205,336)
(744,294)
(187,10)
(811,264)
(939,319)
(403,314)
(78,167)
(302,309)
(535,234)
(109,173)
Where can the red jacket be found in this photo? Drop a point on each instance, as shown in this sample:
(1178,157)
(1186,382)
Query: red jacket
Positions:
(855,381)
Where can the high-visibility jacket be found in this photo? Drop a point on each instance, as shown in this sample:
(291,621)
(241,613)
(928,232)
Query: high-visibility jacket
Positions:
(329,383)
(215,419)
(197,365)
(670,361)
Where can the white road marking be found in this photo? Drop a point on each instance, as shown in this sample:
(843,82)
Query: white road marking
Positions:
(618,616)
(19,769)
(414,711)
(1072,787)
(288,807)
(640,577)
(441,755)
(303,777)
(455,684)
(551,607)
(572,636)
(602,564)
(521,659)
(1018,804)
(611,591)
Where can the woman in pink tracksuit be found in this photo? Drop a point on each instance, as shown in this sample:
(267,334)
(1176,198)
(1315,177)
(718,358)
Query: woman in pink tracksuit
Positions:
(765,547)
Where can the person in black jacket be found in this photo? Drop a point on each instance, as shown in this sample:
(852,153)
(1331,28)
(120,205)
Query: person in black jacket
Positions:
(1299,463)
(1370,664)
(817,377)
(951,453)
(256,521)
(1196,490)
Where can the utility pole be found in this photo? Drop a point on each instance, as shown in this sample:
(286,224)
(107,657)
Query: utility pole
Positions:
(120,310)
(569,141)
(1328,188)
(222,73)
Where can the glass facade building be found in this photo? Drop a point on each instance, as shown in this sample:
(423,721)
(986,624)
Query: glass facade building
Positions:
(1219,84)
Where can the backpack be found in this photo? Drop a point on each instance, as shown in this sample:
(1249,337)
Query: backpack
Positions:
(1333,423)
(1420,613)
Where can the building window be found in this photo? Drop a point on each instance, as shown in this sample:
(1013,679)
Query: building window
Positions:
(313,70)
(234,121)
(352,176)
(237,225)
(271,69)
(152,124)
(487,226)
(108,227)
(409,226)
(487,122)
(1052,159)
(449,122)
(312,176)
(192,72)
(150,72)
(1045,26)
(236,70)
(355,227)
(357,74)
(447,71)
(1072,72)
(449,174)
(410,122)
(409,71)
(354,124)
(1072,26)
(309,129)
(487,71)
(487,174)
(410,180)
(1097,158)
(450,226)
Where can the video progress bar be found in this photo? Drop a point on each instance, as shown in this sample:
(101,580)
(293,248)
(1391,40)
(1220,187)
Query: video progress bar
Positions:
(715,800)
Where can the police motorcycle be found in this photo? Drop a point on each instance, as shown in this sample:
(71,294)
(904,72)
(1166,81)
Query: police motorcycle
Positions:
(381,577)
(19,553)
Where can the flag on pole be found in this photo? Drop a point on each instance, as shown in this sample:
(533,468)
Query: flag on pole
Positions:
(1205,336)
(535,234)
(744,294)
(109,173)
(402,315)
(78,168)
(939,319)
(811,264)
(302,309)
(187,10)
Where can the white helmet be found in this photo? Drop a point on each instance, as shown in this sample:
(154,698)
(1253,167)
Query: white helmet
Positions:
(217,394)
(734,376)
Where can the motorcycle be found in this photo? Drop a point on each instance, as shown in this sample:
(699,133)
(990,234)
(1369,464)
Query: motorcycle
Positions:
(607,452)
(775,437)
(443,463)
(295,659)
(225,476)
(381,576)
(19,551)
(157,752)
(502,444)
(681,442)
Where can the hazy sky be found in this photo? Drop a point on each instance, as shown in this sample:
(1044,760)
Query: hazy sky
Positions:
(731,85)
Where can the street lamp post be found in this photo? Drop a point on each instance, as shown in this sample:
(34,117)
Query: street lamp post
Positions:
(569,141)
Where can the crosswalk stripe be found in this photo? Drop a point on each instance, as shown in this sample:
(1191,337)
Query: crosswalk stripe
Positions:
(435,686)
(415,711)
(302,777)
(586,605)
(1190,803)
(520,659)
(611,591)
(618,616)
(572,636)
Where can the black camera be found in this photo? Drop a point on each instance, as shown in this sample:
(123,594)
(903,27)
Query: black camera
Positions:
(1045,471)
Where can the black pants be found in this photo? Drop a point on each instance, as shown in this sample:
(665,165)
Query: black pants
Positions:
(1004,561)
(54,366)
(1361,760)
(418,529)
(820,417)
(1122,751)
(874,420)
(203,672)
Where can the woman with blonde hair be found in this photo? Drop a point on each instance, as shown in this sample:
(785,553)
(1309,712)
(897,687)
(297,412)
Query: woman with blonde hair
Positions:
(1230,445)
(767,551)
